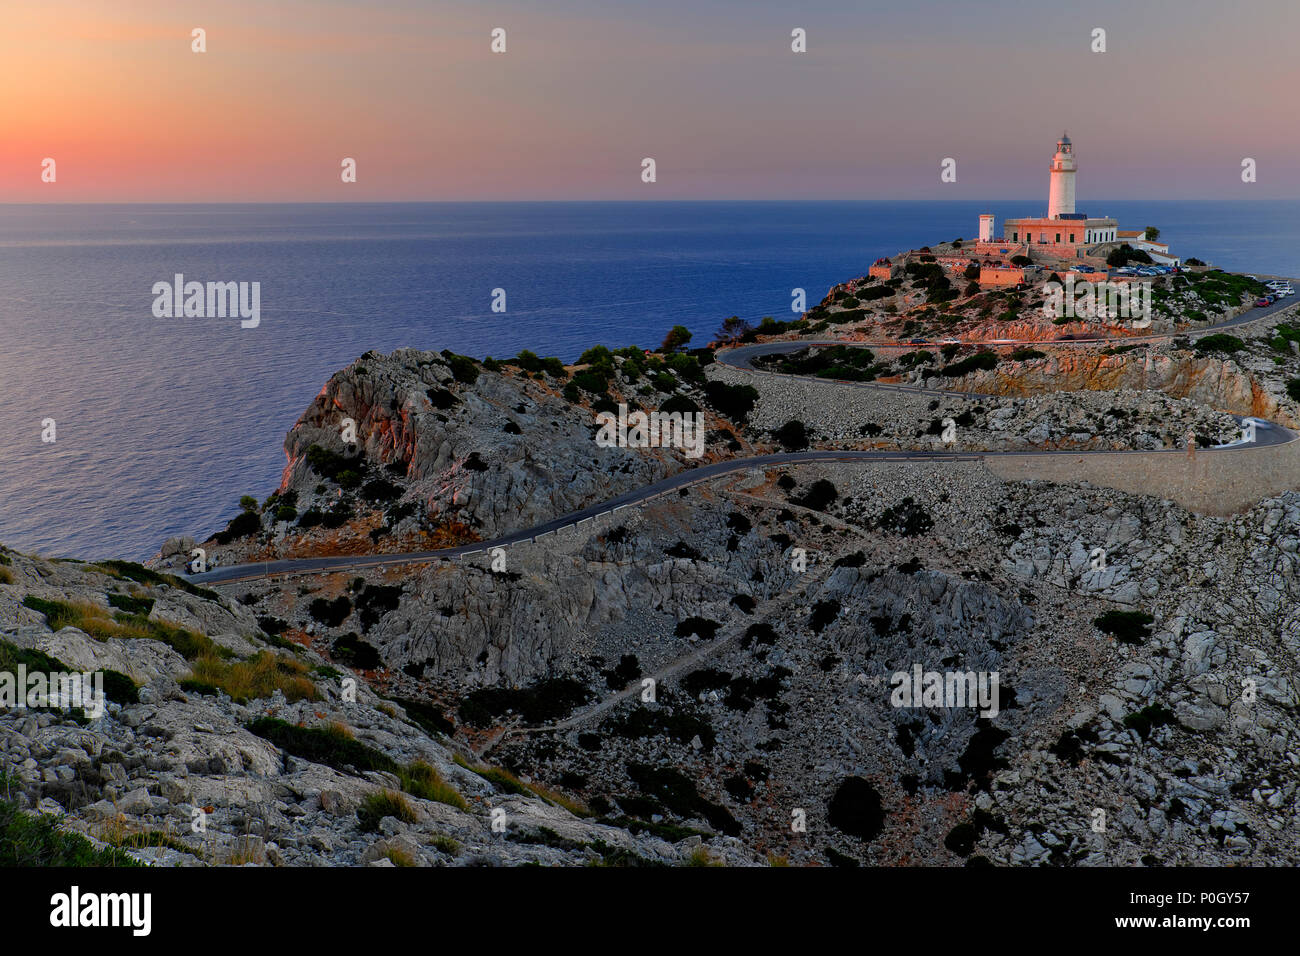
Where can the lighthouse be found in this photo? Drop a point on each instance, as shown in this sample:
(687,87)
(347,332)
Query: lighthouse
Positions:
(1060,196)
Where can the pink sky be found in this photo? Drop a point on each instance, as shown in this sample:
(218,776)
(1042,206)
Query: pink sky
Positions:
(410,89)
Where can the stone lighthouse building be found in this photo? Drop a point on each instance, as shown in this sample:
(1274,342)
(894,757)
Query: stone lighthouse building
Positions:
(1062,233)
(1060,196)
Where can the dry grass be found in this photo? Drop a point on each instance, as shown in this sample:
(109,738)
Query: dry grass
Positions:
(419,779)
(507,782)
(700,856)
(102,625)
(6,576)
(252,679)
(446,844)
(399,857)
(125,836)
(384,803)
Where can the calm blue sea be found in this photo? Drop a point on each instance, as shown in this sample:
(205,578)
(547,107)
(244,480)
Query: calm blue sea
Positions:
(163,423)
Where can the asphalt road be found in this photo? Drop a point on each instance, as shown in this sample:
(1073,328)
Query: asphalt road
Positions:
(1267,433)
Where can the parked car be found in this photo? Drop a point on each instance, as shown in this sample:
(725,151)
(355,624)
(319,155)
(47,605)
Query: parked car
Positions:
(1260,303)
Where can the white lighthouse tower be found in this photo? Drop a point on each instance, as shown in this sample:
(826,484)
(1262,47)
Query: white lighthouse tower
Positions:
(1060,197)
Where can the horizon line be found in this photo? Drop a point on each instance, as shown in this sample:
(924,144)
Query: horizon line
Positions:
(471,202)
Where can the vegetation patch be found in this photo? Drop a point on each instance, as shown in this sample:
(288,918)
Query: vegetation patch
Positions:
(856,809)
(545,702)
(1128,627)
(678,795)
(385,803)
(253,679)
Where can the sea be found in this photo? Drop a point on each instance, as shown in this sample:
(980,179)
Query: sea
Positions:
(160,424)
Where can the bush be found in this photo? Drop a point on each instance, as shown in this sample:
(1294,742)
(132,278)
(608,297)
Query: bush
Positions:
(679,403)
(330,613)
(241,526)
(326,463)
(980,361)
(463,368)
(380,490)
(385,803)
(331,745)
(420,779)
(1148,718)
(1293,389)
(596,355)
(823,614)
(132,605)
(1024,355)
(1126,254)
(678,794)
(677,338)
(544,702)
(733,401)
(29,841)
(253,679)
(1219,343)
(352,651)
(906,519)
(376,601)
(1128,627)
(702,626)
(856,809)
(792,435)
(592,380)
(820,496)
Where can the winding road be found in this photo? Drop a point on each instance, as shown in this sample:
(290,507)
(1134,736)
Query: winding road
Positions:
(1267,433)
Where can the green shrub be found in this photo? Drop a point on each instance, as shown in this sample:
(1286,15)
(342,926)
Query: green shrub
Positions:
(441,398)
(463,368)
(792,435)
(820,496)
(980,361)
(906,519)
(31,841)
(544,702)
(592,380)
(1128,627)
(375,601)
(325,462)
(419,779)
(330,613)
(733,401)
(679,403)
(354,652)
(330,745)
(385,803)
(241,526)
(1148,718)
(1219,342)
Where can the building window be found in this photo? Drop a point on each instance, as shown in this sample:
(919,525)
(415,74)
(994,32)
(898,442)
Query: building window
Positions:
(1015,237)
(1072,237)
(1058,237)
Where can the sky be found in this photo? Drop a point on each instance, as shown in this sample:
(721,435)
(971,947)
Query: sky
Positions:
(710,89)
